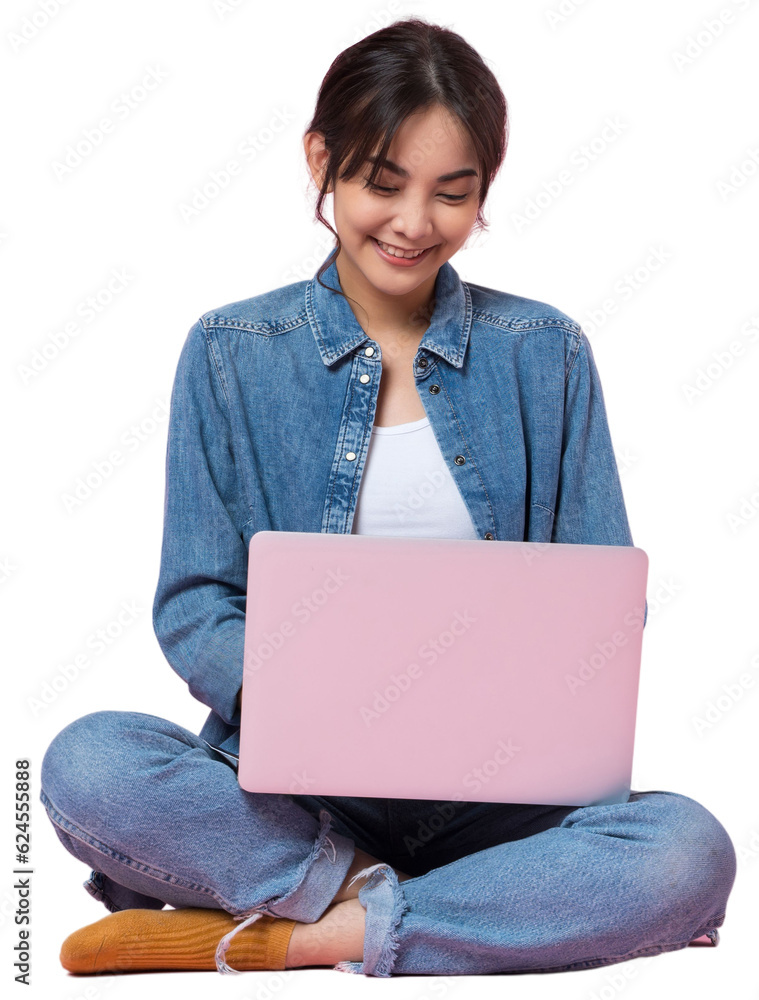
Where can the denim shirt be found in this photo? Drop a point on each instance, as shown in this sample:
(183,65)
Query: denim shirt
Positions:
(270,422)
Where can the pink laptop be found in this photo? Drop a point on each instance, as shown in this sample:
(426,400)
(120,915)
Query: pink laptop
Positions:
(445,669)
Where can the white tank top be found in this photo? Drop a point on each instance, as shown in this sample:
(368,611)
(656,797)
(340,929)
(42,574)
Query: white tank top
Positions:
(407,489)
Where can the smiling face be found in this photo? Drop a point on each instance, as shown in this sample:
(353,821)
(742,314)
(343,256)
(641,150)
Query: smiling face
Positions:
(425,198)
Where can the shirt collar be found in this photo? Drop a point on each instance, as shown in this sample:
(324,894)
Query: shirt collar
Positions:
(337,331)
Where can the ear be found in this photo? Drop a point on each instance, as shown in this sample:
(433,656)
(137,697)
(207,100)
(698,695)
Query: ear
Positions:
(317,156)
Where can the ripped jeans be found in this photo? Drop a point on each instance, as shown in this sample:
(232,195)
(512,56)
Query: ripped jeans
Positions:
(159,817)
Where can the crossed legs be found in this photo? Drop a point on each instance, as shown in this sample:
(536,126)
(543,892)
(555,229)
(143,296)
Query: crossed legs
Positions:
(144,804)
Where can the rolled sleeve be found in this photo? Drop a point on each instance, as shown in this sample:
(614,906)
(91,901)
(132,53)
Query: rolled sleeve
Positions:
(199,604)
(590,506)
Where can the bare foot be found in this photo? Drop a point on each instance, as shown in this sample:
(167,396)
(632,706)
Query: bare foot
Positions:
(337,936)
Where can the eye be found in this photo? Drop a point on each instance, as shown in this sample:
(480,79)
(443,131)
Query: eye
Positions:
(378,187)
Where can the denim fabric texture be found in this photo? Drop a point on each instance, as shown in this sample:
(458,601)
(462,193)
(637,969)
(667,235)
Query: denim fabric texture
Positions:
(269,429)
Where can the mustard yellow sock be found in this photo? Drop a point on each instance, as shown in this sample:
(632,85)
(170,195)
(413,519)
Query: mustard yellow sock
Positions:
(175,939)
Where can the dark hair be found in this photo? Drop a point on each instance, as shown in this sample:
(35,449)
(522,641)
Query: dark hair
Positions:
(409,66)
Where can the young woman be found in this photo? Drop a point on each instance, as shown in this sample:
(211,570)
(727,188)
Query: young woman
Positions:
(320,406)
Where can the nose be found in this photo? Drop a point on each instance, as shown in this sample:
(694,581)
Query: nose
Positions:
(412,220)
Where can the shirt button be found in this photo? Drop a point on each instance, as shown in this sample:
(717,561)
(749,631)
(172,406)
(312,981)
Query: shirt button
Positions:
(434,389)
(365,378)
(351,456)
(422,362)
(459,460)
(489,535)
(369,351)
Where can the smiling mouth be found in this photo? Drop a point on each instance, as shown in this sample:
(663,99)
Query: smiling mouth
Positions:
(399,252)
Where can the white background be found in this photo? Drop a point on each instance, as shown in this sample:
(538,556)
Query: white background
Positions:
(680,177)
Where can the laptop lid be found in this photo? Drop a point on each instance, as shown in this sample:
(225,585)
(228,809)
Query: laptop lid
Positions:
(446,669)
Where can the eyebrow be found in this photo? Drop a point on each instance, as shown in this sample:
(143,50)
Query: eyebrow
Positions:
(394,168)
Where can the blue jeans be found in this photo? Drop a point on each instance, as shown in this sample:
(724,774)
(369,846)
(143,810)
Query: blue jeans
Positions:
(160,818)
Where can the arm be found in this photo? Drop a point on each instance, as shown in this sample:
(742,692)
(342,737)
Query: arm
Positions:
(199,605)
(590,505)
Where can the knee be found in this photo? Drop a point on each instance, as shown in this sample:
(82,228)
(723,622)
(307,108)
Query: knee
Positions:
(92,756)
(77,753)
(700,853)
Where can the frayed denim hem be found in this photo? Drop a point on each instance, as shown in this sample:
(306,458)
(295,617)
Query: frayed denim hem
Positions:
(385,904)
(321,878)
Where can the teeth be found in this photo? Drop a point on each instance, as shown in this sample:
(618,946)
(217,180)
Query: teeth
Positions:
(400,253)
